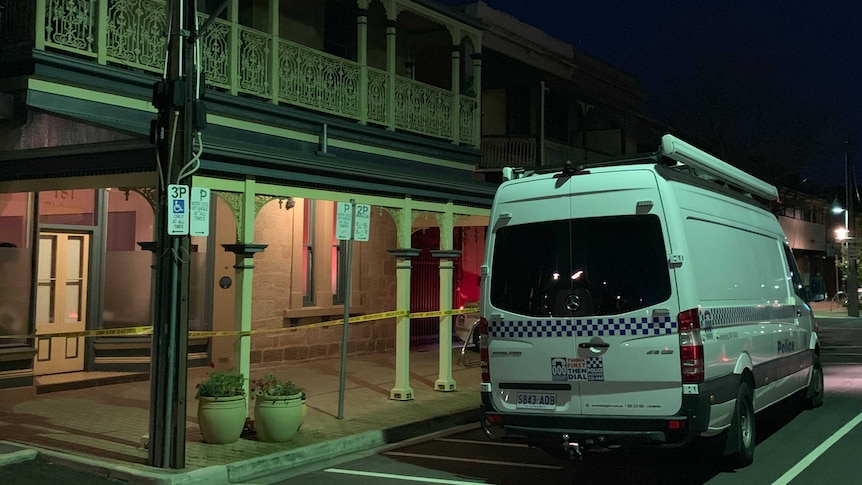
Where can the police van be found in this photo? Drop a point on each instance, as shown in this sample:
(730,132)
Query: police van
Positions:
(643,301)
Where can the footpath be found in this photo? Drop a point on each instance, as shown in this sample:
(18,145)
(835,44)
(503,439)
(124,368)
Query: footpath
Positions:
(100,430)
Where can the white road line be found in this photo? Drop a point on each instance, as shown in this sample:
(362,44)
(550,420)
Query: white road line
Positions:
(809,459)
(483,442)
(470,460)
(399,477)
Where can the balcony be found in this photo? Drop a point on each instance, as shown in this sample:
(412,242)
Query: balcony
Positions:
(250,62)
(522,151)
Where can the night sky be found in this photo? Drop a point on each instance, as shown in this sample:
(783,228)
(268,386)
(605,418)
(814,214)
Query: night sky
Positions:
(813,49)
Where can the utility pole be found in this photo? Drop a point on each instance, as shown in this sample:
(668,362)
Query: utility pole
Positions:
(852,248)
(173,133)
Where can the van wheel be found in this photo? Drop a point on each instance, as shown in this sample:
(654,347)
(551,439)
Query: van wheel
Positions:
(814,394)
(741,437)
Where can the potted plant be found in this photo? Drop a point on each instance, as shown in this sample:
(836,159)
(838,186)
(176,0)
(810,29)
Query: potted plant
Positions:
(222,406)
(278,408)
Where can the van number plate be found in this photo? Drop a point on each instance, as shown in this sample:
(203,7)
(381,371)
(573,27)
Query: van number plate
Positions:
(536,401)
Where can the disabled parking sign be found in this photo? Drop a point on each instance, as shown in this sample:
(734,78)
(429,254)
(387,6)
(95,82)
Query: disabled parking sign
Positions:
(178,210)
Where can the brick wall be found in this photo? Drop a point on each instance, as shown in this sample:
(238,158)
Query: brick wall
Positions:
(275,275)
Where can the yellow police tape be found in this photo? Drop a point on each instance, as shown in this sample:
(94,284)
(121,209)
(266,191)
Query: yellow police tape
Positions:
(148,330)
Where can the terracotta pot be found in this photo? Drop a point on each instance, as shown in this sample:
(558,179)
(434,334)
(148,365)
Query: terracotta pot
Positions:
(277,418)
(222,419)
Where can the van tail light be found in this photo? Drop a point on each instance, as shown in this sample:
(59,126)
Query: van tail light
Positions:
(483,349)
(690,346)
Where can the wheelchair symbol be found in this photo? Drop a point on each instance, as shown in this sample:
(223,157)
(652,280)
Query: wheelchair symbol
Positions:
(179,206)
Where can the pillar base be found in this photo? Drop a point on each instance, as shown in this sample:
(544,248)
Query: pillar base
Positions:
(445,385)
(401,394)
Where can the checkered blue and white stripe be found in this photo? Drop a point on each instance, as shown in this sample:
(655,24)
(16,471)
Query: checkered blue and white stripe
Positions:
(717,317)
(583,327)
(633,326)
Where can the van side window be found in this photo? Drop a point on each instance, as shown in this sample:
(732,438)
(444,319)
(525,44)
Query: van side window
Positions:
(795,276)
(579,267)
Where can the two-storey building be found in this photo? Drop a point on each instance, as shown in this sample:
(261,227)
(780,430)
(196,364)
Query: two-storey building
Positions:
(308,103)
(409,106)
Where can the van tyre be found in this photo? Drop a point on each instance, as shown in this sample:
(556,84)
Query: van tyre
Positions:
(741,437)
(813,397)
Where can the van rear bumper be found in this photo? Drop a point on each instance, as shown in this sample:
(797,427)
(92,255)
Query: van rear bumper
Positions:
(539,429)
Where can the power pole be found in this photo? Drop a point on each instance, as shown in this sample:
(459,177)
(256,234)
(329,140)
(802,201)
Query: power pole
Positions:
(173,132)
(852,247)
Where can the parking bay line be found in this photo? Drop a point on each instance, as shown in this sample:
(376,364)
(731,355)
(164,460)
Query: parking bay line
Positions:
(399,477)
(809,459)
(483,442)
(470,460)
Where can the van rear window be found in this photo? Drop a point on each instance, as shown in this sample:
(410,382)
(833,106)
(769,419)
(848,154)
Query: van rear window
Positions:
(591,266)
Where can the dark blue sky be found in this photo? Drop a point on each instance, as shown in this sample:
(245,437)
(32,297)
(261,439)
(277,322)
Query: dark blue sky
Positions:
(813,49)
(815,46)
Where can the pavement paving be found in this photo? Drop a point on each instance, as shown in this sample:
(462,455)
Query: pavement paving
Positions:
(101,430)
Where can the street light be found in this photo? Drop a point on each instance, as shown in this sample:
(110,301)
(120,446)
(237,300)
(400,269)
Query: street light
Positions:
(850,240)
(842,235)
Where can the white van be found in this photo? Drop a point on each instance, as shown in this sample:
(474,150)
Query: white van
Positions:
(642,301)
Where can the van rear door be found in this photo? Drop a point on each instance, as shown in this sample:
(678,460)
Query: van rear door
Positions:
(583,309)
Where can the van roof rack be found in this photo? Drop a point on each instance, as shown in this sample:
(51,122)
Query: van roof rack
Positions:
(672,153)
(702,162)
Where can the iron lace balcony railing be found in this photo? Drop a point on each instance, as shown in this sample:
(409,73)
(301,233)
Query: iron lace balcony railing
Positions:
(239,59)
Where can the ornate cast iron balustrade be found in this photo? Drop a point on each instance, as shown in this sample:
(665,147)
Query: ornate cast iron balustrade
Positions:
(317,80)
(422,108)
(135,33)
(131,33)
(376,95)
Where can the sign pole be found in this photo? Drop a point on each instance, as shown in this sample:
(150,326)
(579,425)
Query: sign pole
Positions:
(852,277)
(345,333)
(172,133)
(353,222)
(346,321)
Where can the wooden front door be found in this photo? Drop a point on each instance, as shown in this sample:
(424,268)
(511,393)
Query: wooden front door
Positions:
(61,301)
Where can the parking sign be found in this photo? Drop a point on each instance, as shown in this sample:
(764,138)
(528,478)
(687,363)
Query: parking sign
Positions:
(362,225)
(199,212)
(344,221)
(178,210)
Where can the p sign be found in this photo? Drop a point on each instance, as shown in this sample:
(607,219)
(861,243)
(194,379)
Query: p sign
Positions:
(199,211)
(352,226)
(178,210)
(344,221)
(363,222)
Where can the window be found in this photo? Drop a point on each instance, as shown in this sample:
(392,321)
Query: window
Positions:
(130,220)
(339,264)
(308,252)
(67,207)
(580,267)
(16,260)
(795,275)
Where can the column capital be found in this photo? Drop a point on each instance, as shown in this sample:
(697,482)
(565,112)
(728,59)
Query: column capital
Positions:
(446,253)
(247,250)
(147,245)
(404,252)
